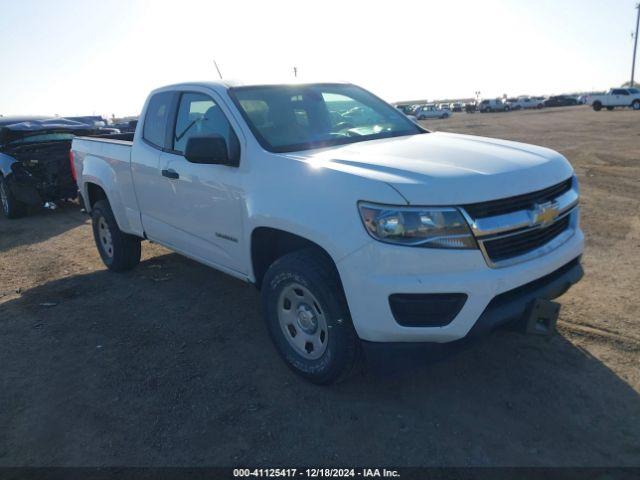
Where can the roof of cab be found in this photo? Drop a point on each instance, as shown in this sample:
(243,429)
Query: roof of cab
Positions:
(223,85)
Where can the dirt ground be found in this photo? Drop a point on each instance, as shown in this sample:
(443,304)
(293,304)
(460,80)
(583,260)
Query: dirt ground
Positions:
(171,364)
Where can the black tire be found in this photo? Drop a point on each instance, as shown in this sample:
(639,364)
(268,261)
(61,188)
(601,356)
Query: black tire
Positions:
(317,274)
(506,109)
(11,207)
(609,108)
(123,251)
(539,106)
(635,104)
(597,106)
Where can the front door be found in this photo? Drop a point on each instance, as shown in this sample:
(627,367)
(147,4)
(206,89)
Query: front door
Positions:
(202,204)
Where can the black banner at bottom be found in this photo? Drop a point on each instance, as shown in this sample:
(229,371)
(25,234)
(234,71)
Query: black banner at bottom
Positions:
(304,473)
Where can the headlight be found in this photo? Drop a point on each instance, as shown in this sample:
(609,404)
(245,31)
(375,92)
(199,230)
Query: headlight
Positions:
(417,227)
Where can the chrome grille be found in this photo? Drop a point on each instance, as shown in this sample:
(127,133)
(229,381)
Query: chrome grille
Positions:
(516,229)
(520,202)
(503,248)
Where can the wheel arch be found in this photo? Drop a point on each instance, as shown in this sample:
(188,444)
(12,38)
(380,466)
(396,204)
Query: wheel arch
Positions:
(93,189)
(94,192)
(268,244)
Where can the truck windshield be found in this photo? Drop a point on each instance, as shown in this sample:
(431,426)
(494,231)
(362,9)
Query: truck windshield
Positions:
(289,118)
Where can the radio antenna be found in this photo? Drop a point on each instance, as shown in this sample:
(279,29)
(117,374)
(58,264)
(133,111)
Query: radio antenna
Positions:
(218,69)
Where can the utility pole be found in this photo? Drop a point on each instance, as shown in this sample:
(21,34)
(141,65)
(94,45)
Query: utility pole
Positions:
(295,71)
(635,46)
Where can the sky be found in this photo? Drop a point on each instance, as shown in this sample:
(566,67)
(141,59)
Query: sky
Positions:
(72,57)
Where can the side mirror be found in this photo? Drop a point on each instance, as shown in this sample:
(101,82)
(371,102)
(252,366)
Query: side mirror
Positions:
(211,149)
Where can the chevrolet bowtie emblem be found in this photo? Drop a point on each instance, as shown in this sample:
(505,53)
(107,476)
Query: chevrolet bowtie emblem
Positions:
(545,213)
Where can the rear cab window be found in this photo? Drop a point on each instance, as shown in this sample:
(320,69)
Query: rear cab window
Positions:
(155,120)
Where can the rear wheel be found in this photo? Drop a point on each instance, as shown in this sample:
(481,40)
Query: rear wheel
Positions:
(609,108)
(636,104)
(597,106)
(308,318)
(119,251)
(11,207)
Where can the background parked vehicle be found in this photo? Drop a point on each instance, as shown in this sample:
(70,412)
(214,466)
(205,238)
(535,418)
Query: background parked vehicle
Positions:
(513,103)
(493,105)
(560,101)
(470,107)
(525,102)
(34,162)
(126,127)
(616,97)
(431,111)
(455,106)
(406,109)
(96,121)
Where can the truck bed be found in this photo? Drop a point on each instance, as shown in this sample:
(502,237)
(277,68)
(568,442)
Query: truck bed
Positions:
(91,152)
(109,137)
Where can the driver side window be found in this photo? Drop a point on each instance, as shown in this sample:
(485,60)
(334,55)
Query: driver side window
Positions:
(200,116)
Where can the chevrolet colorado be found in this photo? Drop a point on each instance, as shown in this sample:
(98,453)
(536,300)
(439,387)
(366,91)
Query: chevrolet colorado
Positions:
(359,226)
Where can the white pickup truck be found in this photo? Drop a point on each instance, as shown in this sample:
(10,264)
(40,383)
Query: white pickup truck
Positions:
(616,97)
(359,227)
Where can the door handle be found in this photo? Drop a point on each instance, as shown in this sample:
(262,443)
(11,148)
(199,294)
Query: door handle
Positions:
(170,174)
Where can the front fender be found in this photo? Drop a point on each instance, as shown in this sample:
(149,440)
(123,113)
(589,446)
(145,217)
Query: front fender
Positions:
(316,203)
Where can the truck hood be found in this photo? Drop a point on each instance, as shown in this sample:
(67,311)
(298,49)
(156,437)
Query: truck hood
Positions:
(445,168)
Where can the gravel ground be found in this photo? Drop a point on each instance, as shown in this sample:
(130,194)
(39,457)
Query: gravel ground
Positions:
(171,364)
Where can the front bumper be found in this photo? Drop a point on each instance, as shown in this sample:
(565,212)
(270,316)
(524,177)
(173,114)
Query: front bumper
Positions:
(377,271)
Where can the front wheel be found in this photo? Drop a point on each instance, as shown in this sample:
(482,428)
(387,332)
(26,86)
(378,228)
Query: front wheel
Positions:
(308,318)
(609,108)
(119,251)
(636,105)
(11,206)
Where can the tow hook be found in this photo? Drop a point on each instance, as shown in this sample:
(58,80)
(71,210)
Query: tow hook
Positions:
(542,317)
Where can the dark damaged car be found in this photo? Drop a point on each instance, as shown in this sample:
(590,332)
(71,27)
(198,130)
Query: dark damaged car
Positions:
(34,162)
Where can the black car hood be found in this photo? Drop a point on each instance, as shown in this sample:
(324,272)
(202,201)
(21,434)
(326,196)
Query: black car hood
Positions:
(16,131)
